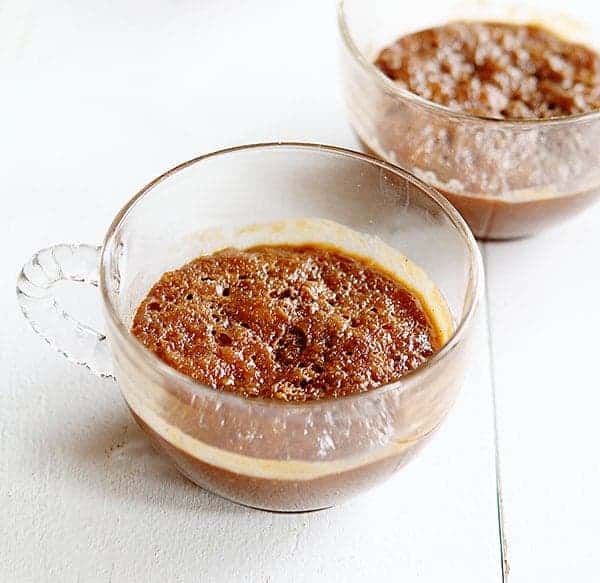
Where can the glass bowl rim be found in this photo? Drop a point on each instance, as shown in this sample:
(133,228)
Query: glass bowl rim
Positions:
(148,358)
(394,90)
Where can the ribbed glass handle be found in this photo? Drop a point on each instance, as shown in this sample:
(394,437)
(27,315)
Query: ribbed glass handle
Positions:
(80,343)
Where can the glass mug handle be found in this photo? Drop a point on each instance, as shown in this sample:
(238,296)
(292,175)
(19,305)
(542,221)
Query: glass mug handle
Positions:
(78,342)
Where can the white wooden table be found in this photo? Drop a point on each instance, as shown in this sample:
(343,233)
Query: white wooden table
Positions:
(99,97)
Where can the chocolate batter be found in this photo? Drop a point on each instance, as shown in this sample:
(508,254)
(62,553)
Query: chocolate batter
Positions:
(288,323)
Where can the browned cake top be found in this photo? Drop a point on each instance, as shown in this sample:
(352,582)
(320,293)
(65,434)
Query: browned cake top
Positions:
(496,70)
(291,323)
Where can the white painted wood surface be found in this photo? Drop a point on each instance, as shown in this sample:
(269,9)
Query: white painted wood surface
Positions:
(545,322)
(98,98)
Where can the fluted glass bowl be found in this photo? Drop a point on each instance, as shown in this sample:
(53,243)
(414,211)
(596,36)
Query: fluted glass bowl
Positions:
(265,454)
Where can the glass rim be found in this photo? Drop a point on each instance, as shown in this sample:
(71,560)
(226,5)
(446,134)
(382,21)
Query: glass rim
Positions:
(395,90)
(474,288)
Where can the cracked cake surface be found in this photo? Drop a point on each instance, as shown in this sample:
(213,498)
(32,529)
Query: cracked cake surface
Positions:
(294,323)
(494,69)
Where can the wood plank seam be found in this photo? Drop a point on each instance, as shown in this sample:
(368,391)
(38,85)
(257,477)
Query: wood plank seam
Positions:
(504,564)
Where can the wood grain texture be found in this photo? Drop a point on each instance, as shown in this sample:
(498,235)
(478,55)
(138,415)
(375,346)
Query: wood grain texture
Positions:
(101,98)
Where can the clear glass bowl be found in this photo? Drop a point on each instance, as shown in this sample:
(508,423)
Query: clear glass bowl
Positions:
(265,454)
(508,179)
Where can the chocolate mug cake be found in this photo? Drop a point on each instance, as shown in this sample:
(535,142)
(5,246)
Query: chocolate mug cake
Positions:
(501,71)
(291,324)
(501,117)
(289,391)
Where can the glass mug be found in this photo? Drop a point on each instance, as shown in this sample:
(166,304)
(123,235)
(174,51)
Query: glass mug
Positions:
(262,453)
(508,178)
